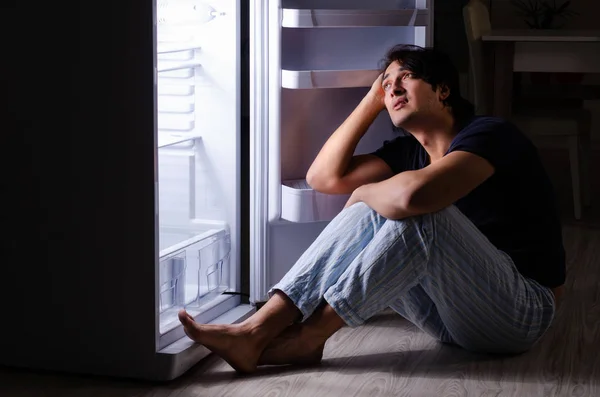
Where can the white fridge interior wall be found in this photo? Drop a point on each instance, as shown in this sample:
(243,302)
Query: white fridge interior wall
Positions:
(309,117)
(198,157)
(327,55)
(339,48)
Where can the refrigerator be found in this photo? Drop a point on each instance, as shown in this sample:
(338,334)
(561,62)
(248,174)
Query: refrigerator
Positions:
(160,150)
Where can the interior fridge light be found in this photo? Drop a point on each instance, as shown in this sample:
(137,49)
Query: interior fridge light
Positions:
(181,12)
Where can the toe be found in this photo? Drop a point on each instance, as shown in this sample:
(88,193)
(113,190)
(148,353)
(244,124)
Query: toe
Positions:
(189,325)
(182,315)
(185,318)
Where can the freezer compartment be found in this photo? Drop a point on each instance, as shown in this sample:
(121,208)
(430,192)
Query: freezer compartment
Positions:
(301,203)
(192,272)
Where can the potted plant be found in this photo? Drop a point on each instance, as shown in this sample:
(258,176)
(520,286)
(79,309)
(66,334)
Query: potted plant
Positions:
(543,14)
(547,14)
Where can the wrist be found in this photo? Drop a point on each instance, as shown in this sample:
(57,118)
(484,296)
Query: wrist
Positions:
(374,101)
(360,193)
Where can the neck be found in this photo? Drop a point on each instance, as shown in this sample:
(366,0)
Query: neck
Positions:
(435,135)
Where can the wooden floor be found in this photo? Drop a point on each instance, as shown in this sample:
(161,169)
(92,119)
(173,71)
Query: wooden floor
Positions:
(390,357)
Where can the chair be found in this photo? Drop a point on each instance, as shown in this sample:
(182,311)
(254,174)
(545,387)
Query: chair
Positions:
(528,112)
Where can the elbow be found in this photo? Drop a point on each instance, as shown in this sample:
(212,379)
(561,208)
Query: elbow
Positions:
(311,178)
(420,201)
(403,205)
(405,196)
(321,184)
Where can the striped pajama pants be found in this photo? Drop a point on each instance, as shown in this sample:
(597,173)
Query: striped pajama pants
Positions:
(437,270)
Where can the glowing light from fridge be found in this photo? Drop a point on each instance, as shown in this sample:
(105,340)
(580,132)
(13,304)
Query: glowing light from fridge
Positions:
(184,12)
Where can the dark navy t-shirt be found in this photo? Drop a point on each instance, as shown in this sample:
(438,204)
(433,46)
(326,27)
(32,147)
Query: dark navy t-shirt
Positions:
(515,208)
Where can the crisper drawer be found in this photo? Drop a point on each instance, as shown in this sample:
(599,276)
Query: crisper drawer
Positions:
(191,273)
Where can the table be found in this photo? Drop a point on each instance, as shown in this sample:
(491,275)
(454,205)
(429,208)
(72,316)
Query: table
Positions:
(509,51)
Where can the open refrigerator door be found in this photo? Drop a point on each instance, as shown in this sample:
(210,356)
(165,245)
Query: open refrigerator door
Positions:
(314,60)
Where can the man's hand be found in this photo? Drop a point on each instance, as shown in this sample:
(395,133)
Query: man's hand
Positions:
(377,93)
(354,197)
(376,196)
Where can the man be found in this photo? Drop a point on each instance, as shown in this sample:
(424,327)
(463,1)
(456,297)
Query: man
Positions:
(452,226)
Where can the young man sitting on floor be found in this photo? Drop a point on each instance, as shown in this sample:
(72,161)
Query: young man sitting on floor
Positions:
(453,226)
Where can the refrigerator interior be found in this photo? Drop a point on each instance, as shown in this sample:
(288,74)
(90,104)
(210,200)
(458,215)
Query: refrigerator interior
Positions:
(197,159)
(328,54)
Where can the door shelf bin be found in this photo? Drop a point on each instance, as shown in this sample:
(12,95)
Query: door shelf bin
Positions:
(354,4)
(300,203)
(298,79)
(315,18)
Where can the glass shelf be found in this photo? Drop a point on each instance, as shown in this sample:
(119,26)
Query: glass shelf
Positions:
(168,48)
(166,66)
(168,139)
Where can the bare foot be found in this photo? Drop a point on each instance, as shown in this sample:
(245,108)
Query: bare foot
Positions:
(293,346)
(234,344)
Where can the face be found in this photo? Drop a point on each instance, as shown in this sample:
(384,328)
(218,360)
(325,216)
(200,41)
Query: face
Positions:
(410,100)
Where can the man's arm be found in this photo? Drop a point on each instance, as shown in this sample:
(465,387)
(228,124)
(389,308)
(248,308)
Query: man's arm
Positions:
(335,170)
(426,190)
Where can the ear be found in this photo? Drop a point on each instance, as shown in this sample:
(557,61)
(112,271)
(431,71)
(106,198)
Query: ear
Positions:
(444,92)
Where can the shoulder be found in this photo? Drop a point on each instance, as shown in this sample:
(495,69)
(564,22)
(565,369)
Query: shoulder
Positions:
(495,139)
(488,125)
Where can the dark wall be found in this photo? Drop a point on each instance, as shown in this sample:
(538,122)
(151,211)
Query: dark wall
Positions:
(245,148)
(449,31)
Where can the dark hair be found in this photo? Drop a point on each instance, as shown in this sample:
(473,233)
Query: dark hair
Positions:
(435,68)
